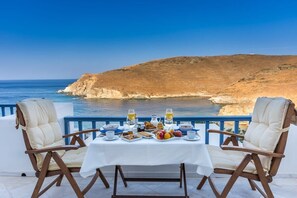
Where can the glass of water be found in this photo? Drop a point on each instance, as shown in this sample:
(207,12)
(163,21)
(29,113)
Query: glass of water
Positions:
(168,121)
(131,119)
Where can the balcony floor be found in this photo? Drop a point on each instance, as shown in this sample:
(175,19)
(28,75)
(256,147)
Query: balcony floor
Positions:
(22,187)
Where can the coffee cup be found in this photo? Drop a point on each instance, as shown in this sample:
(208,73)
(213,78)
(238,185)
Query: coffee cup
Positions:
(109,135)
(191,134)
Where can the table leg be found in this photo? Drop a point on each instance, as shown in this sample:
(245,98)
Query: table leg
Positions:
(180,176)
(181,179)
(185,180)
(115,182)
(122,175)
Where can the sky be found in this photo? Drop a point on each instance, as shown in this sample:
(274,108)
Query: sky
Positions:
(60,39)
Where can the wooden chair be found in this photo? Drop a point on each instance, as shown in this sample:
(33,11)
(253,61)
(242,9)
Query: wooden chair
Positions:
(263,147)
(46,149)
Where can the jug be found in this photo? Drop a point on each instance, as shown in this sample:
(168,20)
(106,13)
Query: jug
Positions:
(155,120)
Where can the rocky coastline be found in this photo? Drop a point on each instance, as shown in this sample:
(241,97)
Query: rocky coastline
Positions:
(231,81)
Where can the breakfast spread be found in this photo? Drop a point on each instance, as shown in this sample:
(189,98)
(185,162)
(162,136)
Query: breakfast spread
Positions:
(155,130)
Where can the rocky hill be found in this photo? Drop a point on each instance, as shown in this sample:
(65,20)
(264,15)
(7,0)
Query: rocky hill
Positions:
(234,81)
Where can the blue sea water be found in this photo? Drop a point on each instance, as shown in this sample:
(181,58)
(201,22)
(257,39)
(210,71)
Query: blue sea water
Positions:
(12,91)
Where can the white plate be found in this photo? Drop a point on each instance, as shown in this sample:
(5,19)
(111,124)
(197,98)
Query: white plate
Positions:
(194,139)
(146,137)
(114,138)
(133,140)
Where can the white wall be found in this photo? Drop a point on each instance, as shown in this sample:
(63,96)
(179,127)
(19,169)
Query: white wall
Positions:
(289,163)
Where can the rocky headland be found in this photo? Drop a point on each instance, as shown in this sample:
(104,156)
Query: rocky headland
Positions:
(234,81)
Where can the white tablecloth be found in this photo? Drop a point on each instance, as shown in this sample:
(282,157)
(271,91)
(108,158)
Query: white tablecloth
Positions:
(146,152)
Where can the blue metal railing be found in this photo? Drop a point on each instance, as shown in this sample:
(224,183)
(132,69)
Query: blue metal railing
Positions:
(91,122)
(7,109)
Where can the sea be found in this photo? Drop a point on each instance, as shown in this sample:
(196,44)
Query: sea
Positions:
(12,91)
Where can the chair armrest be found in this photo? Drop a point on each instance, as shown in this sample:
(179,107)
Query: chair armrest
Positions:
(253,151)
(80,132)
(54,148)
(225,133)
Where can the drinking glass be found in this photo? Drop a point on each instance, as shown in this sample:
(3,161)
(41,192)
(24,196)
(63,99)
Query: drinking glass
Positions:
(168,121)
(131,119)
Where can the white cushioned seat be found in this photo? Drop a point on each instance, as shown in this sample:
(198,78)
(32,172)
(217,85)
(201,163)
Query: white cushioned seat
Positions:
(43,130)
(228,159)
(72,159)
(263,133)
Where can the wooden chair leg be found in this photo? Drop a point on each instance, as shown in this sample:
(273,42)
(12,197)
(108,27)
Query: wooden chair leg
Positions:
(68,175)
(103,179)
(122,175)
(213,187)
(88,187)
(59,180)
(262,177)
(251,184)
(236,174)
(202,182)
(259,189)
(42,175)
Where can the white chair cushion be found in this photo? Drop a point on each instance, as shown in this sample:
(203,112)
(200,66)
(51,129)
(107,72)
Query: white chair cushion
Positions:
(228,159)
(266,126)
(72,159)
(42,125)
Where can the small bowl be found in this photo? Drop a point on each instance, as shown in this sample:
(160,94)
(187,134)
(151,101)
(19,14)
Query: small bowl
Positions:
(185,127)
(110,127)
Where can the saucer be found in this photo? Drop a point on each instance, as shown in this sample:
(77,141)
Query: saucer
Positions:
(194,139)
(114,138)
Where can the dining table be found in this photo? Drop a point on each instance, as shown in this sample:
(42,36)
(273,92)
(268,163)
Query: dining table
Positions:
(146,152)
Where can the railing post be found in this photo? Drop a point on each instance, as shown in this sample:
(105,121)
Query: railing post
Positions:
(3,111)
(67,129)
(94,127)
(222,127)
(236,128)
(206,133)
(11,110)
(80,128)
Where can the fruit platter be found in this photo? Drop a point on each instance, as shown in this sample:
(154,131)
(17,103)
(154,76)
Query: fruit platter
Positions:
(163,135)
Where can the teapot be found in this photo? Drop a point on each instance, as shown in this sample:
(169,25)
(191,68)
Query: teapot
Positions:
(155,120)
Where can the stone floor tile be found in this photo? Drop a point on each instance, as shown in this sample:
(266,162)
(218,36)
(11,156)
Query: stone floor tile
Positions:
(22,187)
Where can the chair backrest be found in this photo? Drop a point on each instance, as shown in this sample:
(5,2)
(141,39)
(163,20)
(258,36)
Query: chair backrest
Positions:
(40,127)
(269,128)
